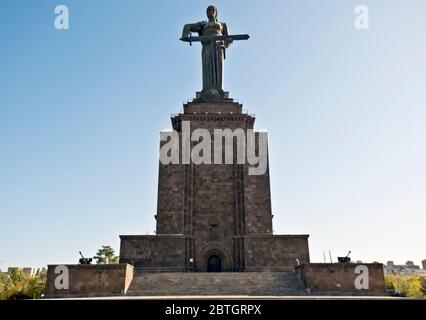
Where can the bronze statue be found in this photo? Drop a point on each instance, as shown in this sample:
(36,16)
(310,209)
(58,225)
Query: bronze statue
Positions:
(215,39)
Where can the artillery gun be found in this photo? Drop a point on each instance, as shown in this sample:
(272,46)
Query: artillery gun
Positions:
(344,259)
(84,260)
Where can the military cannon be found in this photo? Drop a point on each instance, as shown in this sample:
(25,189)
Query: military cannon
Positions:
(344,259)
(84,260)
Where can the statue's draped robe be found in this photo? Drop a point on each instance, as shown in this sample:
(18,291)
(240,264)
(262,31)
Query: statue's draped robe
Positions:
(212,53)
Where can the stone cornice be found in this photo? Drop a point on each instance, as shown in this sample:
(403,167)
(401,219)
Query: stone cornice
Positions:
(213,117)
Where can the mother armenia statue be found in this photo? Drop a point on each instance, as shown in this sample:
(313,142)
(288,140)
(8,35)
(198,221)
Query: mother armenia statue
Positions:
(215,39)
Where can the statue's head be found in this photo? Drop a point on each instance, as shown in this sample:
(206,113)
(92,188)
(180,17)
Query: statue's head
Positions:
(211,12)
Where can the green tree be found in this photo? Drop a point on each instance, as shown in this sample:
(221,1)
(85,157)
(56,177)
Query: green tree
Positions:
(20,283)
(37,284)
(17,276)
(106,255)
(6,286)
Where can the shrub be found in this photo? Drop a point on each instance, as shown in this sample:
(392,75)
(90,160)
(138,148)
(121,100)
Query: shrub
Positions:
(423,284)
(19,285)
(409,286)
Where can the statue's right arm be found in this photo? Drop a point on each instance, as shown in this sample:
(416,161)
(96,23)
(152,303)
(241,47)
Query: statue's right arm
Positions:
(192,27)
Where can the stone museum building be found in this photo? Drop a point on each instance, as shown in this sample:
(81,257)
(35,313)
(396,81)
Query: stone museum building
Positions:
(213,217)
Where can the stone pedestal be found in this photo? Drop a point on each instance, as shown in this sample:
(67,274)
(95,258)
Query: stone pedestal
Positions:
(341,278)
(98,280)
(215,210)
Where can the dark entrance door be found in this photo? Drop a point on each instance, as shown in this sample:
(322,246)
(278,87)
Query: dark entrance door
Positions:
(214,264)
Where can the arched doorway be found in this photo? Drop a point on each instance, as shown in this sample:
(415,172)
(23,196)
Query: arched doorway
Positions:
(207,251)
(214,264)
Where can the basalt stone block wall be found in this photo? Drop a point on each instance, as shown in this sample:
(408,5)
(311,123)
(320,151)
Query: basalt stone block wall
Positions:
(165,252)
(275,252)
(90,280)
(339,278)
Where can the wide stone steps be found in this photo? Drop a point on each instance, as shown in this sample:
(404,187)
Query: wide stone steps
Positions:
(285,283)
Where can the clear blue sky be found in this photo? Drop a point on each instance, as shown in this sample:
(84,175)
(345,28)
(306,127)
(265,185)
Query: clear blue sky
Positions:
(81,111)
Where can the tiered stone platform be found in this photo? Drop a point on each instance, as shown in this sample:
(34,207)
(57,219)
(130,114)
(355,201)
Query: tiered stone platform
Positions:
(225,283)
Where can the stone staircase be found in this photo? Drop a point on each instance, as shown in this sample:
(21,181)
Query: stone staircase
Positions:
(285,283)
